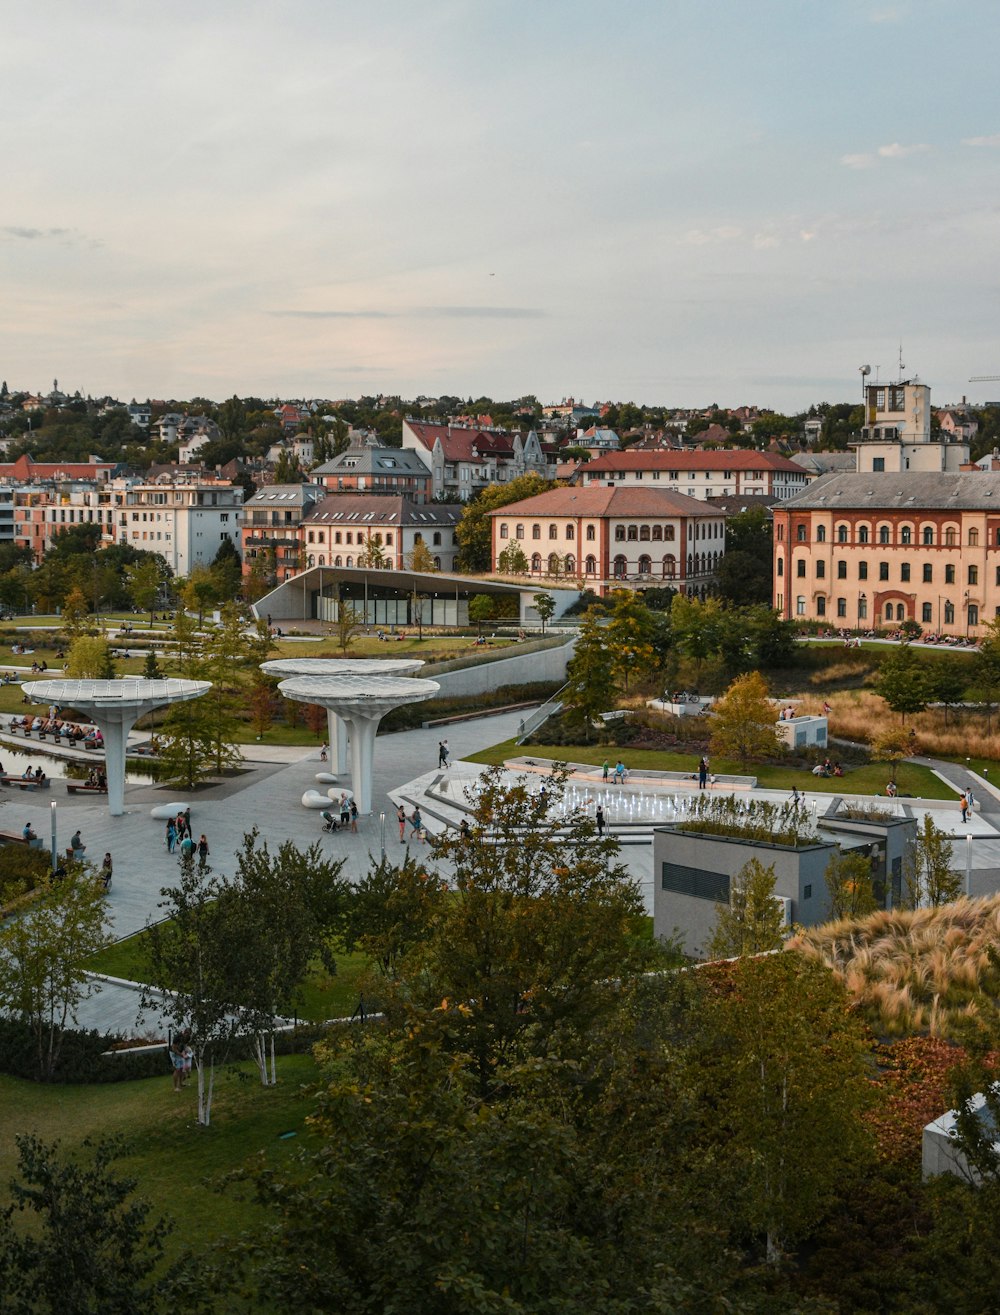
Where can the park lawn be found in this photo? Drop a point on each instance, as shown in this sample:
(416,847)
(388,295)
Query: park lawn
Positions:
(323,995)
(870,779)
(174,1161)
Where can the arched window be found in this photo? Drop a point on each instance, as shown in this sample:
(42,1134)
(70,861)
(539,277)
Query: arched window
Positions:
(900,612)
(668,533)
(862,534)
(949,614)
(338,561)
(883,534)
(419,538)
(841,533)
(657,533)
(669,566)
(553,563)
(337,539)
(928,535)
(503,530)
(437,563)
(321,560)
(950,537)
(633,533)
(569,565)
(591,534)
(553,531)
(821,534)
(536,531)
(906,535)
(349,562)
(821,606)
(800,533)
(570,532)
(312,537)
(590,566)
(973,538)
(800,605)
(644,533)
(645,565)
(310,560)
(926,613)
(620,568)
(518,531)
(888,611)
(536,562)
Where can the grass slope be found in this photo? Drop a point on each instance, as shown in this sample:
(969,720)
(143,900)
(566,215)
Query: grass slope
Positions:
(870,779)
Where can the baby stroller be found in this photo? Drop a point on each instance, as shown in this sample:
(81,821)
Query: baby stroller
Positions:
(330,823)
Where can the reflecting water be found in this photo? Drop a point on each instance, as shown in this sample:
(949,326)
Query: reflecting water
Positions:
(16,760)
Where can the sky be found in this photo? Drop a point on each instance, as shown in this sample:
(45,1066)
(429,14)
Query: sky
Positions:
(674,203)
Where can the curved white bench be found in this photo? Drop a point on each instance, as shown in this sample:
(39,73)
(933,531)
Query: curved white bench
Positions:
(164,812)
(313,799)
(335,791)
(327,778)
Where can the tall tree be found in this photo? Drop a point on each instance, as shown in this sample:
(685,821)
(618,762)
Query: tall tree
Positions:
(849,882)
(696,629)
(480,610)
(629,635)
(513,560)
(420,560)
(752,922)
(744,720)
(90,1244)
(590,683)
(545,605)
(43,957)
(143,581)
(475,529)
(929,876)
(904,682)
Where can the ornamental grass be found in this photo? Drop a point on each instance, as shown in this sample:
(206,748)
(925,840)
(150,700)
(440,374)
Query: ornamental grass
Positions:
(922,971)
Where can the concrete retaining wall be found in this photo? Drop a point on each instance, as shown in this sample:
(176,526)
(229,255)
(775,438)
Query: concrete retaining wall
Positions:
(549,664)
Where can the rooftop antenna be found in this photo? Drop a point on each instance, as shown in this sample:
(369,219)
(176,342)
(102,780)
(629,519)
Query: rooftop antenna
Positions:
(902,367)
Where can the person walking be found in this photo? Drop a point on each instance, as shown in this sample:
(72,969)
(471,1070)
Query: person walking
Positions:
(354,816)
(970,799)
(202,851)
(187,846)
(702,773)
(416,824)
(401,819)
(442,754)
(963,804)
(599,819)
(170,836)
(106,868)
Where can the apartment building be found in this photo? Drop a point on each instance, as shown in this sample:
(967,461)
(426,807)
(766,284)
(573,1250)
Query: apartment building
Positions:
(876,549)
(364,469)
(464,461)
(339,530)
(611,538)
(271,523)
(186,522)
(718,473)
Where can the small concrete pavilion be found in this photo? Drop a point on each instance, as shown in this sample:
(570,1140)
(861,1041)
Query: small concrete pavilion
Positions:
(115,706)
(360,701)
(336,729)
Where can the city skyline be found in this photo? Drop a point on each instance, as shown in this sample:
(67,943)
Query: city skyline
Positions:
(715,203)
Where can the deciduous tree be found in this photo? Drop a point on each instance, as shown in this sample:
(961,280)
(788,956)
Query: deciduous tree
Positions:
(590,682)
(930,878)
(743,721)
(475,529)
(545,605)
(849,882)
(904,682)
(753,921)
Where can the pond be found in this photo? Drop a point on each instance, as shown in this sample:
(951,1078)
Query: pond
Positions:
(16,760)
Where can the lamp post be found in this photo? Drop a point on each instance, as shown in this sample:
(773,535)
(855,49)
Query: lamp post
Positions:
(968,867)
(381,823)
(862,605)
(54,852)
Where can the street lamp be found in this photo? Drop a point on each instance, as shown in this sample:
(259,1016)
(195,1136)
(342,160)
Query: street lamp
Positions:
(54,858)
(862,605)
(968,867)
(381,822)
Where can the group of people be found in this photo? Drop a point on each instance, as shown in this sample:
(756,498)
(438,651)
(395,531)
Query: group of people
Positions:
(417,829)
(967,803)
(179,838)
(38,667)
(53,725)
(181,1056)
(342,818)
(828,768)
(97,779)
(31,774)
(620,774)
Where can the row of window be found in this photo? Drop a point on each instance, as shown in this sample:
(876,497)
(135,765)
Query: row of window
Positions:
(313,560)
(906,532)
(319,536)
(893,611)
(554,564)
(905,574)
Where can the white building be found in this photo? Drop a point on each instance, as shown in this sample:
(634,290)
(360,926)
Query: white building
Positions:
(714,473)
(185,522)
(896,435)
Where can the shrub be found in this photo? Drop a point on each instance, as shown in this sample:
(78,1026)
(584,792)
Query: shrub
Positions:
(415,714)
(21,869)
(750,819)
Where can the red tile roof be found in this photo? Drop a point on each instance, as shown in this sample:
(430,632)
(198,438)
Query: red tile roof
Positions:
(727,459)
(458,444)
(599,500)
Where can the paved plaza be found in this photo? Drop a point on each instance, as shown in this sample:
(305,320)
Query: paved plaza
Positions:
(268,796)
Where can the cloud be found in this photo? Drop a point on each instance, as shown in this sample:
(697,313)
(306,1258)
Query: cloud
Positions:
(992,140)
(331,314)
(14,230)
(700,237)
(890,14)
(858,161)
(481,312)
(894,151)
